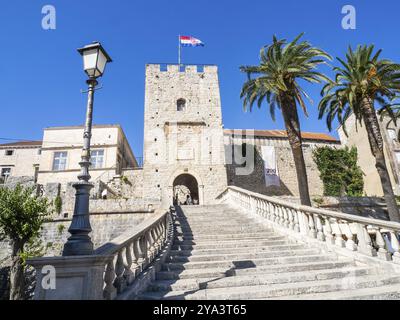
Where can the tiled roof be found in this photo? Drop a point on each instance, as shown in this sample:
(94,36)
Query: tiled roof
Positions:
(282,134)
(21,144)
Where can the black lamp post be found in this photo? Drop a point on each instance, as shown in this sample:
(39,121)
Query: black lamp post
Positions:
(95,59)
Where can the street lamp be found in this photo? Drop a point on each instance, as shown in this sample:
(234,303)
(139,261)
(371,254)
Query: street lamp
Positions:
(95,59)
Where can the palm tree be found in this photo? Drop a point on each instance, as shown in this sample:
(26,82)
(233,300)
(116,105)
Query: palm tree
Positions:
(362,80)
(275,80)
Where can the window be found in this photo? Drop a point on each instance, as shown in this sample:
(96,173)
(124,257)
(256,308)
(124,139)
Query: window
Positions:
(60,161)
(9,152)
(96,158)
(5,173)
(181,105)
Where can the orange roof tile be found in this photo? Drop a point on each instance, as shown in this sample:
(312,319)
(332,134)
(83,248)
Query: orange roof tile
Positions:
(283,134)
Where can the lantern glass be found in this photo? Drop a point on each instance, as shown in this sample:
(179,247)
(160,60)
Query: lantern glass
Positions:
(101,62)
(95,59)
(90,62)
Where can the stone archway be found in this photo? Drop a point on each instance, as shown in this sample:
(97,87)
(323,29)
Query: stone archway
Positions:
(185,184)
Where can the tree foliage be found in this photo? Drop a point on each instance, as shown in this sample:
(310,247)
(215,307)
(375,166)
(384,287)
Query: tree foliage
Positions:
(339,171)
(361,75)
(282,65)
(276,81)
(363,80)
(21,213)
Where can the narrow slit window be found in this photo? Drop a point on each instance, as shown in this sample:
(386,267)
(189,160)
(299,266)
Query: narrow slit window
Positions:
(181,105)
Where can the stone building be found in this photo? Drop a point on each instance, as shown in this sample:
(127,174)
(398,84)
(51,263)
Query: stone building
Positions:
(19,159)
(357,136)
(187,151)
(62,147)
(248,168)
(183,134)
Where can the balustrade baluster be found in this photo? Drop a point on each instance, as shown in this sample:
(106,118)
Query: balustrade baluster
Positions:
(159,236)
(394,241)
(328,231)
(311,226)
(364,240)
(154,232)
(109,291)
(128,274)
(285,217)
(280,215)
(350,244)
(339,241)
(150,246)
(296,221)
(291,218)
(269,211)
(135,257)
(381,244)
(142,252)
(119,272)
(320,231)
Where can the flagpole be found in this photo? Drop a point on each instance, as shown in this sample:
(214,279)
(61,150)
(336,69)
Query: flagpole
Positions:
(179,50)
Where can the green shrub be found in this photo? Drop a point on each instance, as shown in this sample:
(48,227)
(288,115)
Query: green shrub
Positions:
(339,171)
(60,228)
(58,204)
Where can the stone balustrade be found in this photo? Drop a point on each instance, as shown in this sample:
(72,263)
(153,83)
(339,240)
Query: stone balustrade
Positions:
(118,269)
(371,237)
(131,253)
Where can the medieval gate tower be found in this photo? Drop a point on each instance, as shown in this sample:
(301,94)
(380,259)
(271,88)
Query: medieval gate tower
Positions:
(183,134)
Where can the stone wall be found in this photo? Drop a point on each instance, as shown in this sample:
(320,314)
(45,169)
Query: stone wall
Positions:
(255,181)
(129,184)
(105,228)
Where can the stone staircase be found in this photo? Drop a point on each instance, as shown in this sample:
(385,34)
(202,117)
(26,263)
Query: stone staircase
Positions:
(221,253)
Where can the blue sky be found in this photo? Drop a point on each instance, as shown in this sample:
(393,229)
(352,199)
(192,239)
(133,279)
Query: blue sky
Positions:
(41,73)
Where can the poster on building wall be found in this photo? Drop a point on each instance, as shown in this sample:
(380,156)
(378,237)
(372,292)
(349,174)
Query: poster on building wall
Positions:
(271,173)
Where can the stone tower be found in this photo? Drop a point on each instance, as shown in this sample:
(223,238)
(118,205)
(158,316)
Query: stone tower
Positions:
(183,135)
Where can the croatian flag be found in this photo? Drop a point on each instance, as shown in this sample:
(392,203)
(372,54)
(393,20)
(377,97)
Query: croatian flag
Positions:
(189,41)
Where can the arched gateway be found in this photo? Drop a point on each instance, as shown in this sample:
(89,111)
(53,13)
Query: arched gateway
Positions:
(185,184)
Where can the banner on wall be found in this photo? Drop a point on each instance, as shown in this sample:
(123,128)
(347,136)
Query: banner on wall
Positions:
(271,173)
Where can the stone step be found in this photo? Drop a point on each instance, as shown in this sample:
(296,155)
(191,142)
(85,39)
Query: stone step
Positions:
(387,292)
(267,269)
(224,250)
(253,239)
(343,274)
(238,236)
(210,221)
(242,264)
(232,244)
(205,208)
(225,229)
(277,290)
(242,256)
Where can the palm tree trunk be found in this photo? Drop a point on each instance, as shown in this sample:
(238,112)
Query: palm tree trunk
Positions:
(376,144)
(17,279)
(292,124)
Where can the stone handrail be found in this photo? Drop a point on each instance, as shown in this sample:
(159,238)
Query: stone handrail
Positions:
(372,237)
(132,252)
(114,270)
